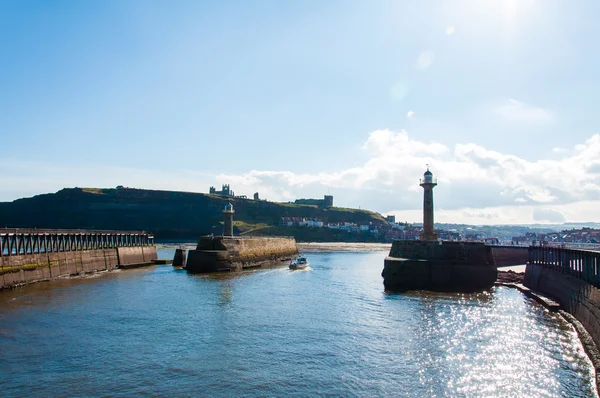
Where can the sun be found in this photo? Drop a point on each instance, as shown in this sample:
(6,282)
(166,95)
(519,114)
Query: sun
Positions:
(500,16)
(507,10)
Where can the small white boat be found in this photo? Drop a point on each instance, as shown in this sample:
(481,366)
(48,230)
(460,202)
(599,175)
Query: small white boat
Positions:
(299,262)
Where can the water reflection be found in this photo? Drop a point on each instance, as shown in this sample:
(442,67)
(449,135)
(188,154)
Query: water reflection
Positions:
(226,293)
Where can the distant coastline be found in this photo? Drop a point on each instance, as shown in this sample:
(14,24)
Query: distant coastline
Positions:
(343,246)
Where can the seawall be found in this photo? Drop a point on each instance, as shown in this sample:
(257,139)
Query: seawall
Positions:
(577,297)
(510,255)
(236,253)
(17,270)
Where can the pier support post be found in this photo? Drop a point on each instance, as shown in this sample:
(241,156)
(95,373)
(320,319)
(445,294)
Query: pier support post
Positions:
(179,259)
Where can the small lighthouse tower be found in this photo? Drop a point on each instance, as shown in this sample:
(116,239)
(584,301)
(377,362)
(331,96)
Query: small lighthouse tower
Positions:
(228,224)
(428,183)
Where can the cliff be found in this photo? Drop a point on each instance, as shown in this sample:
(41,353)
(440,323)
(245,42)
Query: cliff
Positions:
(168,214)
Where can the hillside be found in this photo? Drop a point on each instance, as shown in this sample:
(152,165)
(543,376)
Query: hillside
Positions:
(168,214)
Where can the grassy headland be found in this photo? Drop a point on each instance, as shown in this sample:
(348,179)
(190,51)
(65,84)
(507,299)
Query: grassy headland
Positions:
(172,215)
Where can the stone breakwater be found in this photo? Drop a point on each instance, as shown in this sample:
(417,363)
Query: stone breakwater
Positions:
(220,253)
(439,266)
(580,299)
(510,255)
(343,247)
(24,269)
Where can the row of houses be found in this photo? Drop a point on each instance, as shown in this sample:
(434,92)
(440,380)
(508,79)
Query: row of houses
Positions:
(315,222)
(390,230)
(583,235)
(351,227)
(301,222)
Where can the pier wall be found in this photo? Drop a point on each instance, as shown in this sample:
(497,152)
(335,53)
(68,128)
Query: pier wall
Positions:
(136,255)
(577,297)
(439,266)
(452,252)
(510,255)
(23,269)
(248,249)
(235,253)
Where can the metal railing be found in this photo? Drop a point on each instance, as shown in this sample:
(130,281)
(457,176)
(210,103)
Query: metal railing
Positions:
(14,241)
(582,264)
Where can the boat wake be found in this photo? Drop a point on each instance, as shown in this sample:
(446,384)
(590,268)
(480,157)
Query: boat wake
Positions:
(307,268)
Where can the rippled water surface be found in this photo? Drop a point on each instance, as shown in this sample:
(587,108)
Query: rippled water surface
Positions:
(329,330)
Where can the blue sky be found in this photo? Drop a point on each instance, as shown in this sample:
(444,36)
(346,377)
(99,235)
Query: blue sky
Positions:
(300,98)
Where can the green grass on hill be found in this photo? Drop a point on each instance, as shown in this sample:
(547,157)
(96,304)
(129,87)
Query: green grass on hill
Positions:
(168,214)
(95,191)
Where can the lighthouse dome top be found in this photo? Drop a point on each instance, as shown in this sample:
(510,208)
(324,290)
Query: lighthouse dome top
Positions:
(228,207)
(427,177)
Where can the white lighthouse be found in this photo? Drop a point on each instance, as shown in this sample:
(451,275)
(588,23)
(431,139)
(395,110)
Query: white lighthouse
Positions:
(228,222)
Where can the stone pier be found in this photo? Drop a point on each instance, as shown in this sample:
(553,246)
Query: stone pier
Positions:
(439,266)
(29,256)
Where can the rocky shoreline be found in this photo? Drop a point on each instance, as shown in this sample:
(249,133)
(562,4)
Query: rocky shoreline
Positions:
(510,276)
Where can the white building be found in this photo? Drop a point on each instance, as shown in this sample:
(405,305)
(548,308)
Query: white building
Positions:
(314,223)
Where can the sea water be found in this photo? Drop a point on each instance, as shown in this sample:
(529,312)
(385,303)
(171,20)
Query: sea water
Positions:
(330,330)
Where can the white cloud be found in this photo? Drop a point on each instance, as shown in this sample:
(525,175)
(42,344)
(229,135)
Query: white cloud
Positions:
(519,112)
(548,215)
(559,150)
(425,60)
(386,143)
(471,180)
(476,184)
(576,212)
(581,211)
(410,114)
(450,30)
